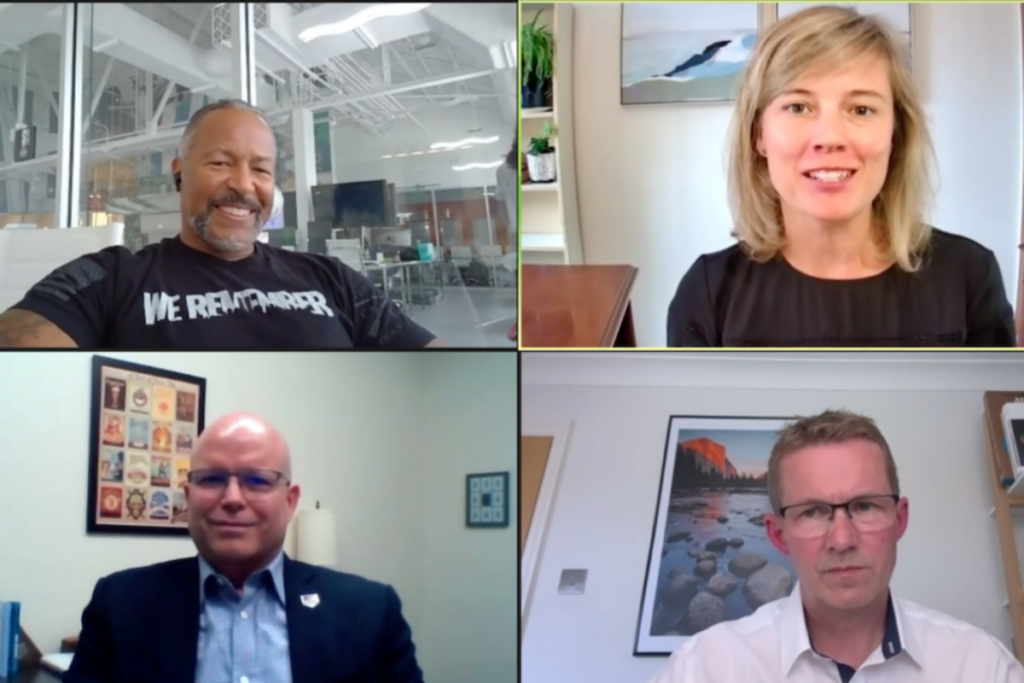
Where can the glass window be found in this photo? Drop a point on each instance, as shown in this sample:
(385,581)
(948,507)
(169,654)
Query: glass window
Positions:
(147,67)
(392,135)
(29,74)
(412,118)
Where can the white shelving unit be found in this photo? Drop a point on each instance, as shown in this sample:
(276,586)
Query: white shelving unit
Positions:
(543,243)
(541,187)
(549,212)
(544,113)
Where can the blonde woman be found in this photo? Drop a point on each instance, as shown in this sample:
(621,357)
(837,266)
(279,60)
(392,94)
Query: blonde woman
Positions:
(828,184)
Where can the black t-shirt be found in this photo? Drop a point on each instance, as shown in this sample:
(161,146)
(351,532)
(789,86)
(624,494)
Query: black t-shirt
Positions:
(170,296)
(955,299)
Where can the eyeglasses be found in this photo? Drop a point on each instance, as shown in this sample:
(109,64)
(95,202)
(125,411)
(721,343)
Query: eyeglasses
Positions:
(251,481)
(811,520)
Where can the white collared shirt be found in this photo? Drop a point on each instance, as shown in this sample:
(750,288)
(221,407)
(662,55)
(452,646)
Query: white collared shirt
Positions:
(772,646)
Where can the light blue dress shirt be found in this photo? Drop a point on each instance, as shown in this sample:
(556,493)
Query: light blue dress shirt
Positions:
(243,638)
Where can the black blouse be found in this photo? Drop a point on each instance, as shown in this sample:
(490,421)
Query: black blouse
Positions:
(955,299)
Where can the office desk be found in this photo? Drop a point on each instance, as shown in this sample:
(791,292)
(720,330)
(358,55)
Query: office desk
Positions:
(403,267)
(576,306)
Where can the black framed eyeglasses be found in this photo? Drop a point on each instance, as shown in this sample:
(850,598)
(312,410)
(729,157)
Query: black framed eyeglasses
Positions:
(867,513)
(249,480)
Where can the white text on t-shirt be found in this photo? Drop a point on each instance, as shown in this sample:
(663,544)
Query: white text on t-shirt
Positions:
(160,306)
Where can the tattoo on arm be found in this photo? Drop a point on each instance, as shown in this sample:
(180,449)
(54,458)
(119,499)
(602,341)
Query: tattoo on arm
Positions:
(25,329)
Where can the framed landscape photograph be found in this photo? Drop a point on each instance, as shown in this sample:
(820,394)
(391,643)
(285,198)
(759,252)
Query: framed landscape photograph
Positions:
(685,52)
(144,422)
(710,560)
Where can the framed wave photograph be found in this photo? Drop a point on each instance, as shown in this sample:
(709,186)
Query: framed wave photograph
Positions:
(709,559)
(685,52)
(144,423)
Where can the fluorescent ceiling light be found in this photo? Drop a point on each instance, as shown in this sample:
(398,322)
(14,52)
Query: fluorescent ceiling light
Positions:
(462,143)
(466,167)
(361,19)
(420,153)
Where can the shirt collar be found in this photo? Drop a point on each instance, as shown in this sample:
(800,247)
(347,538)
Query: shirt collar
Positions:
(275,570)
(795,640)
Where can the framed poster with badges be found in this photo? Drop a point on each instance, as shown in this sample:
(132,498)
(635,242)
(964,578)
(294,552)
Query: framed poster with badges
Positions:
(143,426)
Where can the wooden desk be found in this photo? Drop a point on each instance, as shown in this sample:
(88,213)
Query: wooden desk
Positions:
(576,306)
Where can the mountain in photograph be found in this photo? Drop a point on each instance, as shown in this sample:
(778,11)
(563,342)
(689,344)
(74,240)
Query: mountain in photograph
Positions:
(709,456)
(703,463)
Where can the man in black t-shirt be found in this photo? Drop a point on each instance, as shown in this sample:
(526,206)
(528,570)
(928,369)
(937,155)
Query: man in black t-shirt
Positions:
(213,286)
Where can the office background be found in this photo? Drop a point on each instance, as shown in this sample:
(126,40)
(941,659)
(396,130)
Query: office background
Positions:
(929,408)
(419,109)
(651,179)
(384,441)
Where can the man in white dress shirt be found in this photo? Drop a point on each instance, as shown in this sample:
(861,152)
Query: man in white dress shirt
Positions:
(838,515)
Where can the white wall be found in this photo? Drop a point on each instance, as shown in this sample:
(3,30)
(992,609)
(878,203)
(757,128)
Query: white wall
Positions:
(651,179)
(470,635)
(357,427)
(619,405)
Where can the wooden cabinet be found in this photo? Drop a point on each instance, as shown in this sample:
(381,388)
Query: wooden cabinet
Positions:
(576,306)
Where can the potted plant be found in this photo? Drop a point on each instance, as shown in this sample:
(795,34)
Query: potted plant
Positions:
(541,157)
(536,49)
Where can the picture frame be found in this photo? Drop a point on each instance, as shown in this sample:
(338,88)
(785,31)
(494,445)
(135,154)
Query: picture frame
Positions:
(143,424)
(694,53)
(685,53)
(487,500)
(709,558)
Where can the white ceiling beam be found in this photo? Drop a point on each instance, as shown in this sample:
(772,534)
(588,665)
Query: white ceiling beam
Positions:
(171,85)
(404,87)
(22,76)
(48,89)
(98,94)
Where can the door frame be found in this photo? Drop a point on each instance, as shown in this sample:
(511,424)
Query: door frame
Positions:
(559,433)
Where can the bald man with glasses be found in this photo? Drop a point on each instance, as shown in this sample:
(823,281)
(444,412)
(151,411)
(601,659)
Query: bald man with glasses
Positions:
(838,514)
(242,611)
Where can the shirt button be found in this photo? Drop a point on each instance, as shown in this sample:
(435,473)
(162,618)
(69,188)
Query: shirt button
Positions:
(243,679)
(244,615)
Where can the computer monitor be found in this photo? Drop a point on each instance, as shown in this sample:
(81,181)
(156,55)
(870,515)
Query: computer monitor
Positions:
(317,233)
(364,203)
(291,217)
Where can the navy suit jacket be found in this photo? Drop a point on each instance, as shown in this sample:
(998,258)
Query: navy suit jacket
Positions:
(142,626)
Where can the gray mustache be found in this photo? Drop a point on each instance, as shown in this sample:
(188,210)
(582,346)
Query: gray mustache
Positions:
(233,198)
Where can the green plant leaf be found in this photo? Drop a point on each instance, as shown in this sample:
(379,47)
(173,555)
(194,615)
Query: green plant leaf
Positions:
(536,51)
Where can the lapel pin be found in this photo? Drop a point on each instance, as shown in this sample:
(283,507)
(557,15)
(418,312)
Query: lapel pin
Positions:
(310,600)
